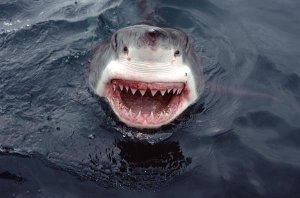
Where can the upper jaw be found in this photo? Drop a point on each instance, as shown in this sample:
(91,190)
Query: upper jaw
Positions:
(161,73)
(162,87)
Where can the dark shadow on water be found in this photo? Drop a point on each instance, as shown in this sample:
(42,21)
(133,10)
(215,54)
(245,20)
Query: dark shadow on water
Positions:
(130,165)
(140,165)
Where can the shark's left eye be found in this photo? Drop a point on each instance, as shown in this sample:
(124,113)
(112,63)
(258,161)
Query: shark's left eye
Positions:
(176,53)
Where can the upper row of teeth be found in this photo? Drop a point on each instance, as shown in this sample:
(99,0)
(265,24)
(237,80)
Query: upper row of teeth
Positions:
(153,91)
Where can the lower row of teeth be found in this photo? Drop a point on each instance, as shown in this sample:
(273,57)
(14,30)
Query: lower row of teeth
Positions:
(153,92)
(139,114)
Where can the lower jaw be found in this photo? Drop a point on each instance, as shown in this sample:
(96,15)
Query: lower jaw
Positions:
(143,123)
(145,120)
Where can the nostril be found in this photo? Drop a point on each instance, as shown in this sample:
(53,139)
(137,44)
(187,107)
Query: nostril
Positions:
(153,34)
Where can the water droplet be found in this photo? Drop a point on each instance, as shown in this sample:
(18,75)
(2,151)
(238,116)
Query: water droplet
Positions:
(91,136)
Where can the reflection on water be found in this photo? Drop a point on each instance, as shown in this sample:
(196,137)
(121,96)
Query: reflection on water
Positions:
(129,164)
(140,165)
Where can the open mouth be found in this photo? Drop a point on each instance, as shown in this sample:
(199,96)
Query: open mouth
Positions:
(144,104)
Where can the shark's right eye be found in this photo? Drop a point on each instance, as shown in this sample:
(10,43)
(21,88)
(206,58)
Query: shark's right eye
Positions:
(125,49)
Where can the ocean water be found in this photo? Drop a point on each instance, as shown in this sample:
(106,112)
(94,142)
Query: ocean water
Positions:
(241,139)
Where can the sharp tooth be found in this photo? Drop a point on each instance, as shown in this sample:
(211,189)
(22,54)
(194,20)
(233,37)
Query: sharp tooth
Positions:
(179,91)
(140,113)
(114,87)
(174,91)
(133,91)
(126,88)
(161,114)
(169,90)
(121,87)
(162,92)
(153,92)
(143,92)
(152,115)
(130,113)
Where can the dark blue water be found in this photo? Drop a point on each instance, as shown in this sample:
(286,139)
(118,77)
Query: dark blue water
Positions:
(241,139)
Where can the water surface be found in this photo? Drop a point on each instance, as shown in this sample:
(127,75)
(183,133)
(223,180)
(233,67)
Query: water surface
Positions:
(241,139)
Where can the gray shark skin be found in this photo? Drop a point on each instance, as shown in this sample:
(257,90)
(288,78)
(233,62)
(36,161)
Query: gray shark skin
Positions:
(148,55)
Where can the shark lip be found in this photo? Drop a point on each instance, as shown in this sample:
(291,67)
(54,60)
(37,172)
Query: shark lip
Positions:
(146,104)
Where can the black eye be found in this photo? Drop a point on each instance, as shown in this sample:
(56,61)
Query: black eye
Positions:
(177,53)
(125,49)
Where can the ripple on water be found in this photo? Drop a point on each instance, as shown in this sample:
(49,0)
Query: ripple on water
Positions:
(230,142)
